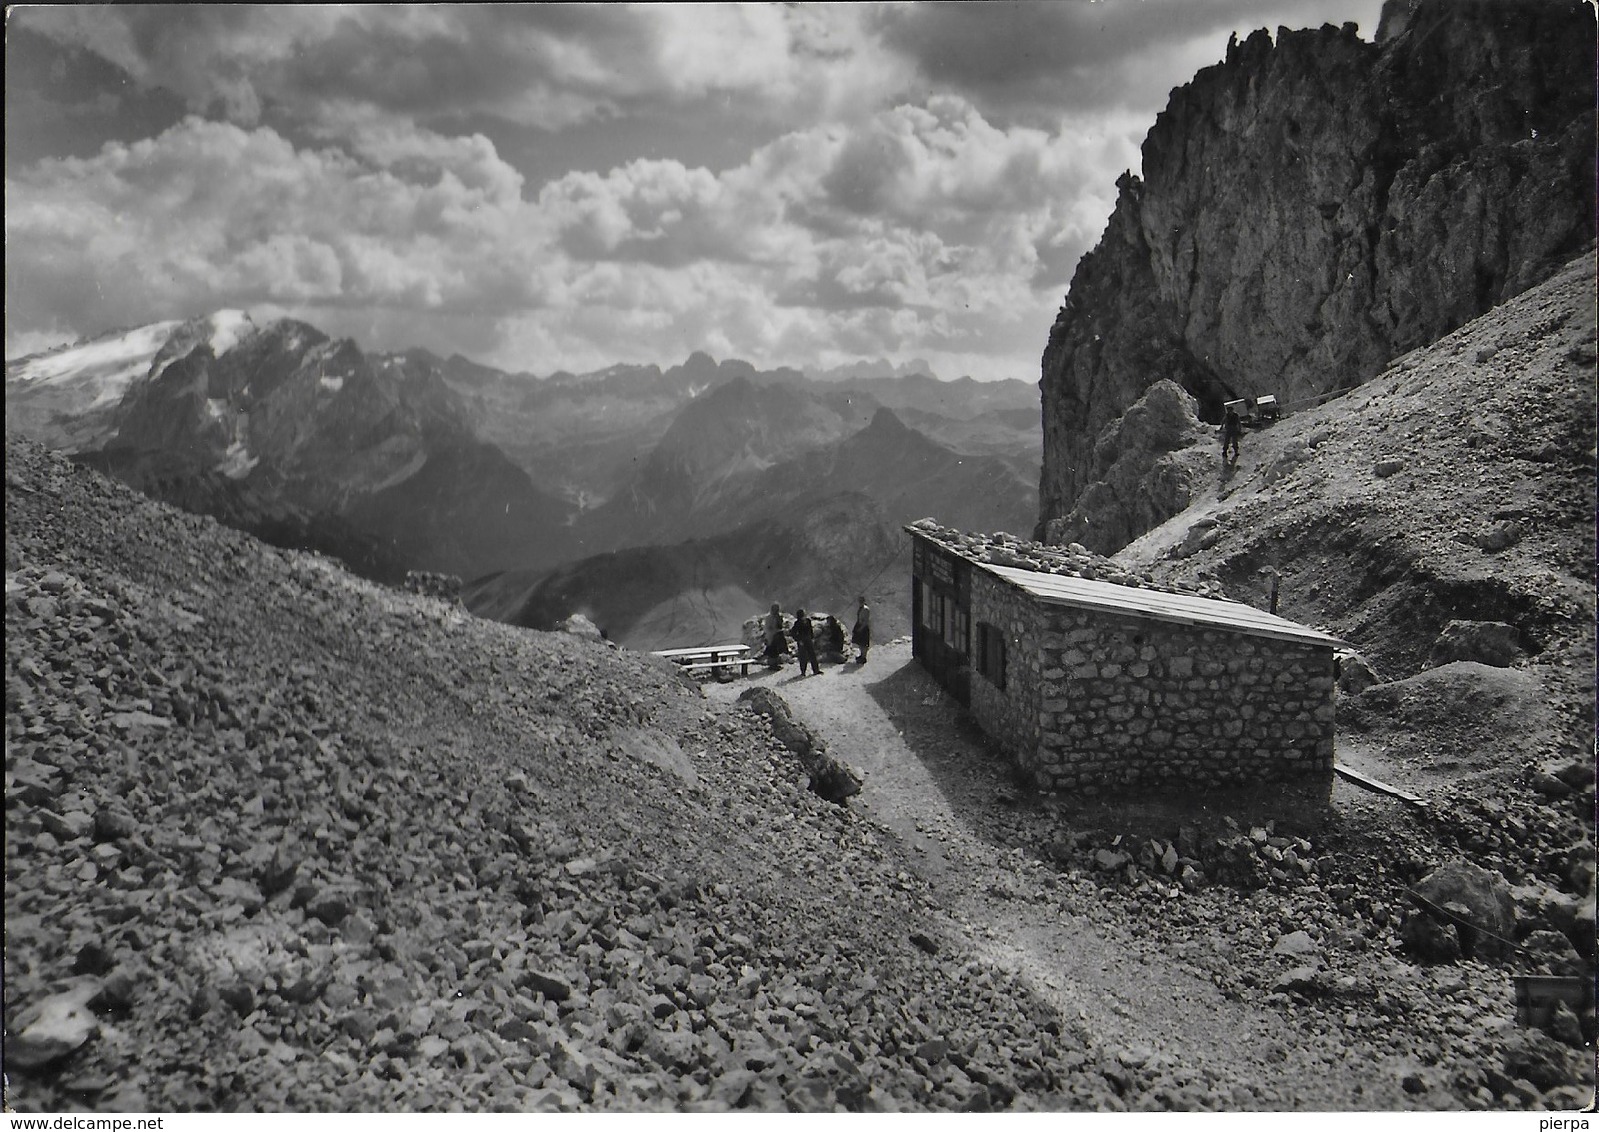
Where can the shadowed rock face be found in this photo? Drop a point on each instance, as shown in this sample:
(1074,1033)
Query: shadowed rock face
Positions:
(1147,460)
(1313,207)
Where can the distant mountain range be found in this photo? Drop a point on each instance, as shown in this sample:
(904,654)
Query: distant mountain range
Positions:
(907,474)
(871,369)
(718,444)
(815,529)
(580,435)
(671,502)
(818,555)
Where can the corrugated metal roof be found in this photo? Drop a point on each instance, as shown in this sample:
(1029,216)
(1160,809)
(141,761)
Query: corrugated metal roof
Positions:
(1184,609)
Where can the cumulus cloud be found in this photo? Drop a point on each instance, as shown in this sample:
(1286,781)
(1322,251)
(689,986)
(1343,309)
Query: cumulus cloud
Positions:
(658,212)
(924,181)
(209,214)
(918,228)
(544,66)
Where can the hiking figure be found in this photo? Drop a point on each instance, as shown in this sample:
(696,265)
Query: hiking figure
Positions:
(1231,429)
(861,635)
(772,631)
(833,639)
(805,642)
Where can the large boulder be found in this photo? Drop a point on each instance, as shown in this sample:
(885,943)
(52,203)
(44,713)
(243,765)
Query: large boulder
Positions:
(1355,673)
(1298,945)
(1545,1063)
(578,625)
(1204,534)
(1475,902)
(1430,938)
(1486,642)
(53,1028)
(1541,908)
(1146,466)
(1551,953)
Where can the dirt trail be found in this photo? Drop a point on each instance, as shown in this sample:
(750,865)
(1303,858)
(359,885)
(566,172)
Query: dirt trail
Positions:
(1141,991)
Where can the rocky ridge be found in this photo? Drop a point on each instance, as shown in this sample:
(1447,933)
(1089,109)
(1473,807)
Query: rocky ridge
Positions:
(903,471)
(1153,458)
(1314,206)
(719,441)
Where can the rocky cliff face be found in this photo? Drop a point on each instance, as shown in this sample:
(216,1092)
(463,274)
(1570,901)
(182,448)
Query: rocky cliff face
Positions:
(1314,206)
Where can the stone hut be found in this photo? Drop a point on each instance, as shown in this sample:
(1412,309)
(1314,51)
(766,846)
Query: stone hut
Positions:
(1094,686)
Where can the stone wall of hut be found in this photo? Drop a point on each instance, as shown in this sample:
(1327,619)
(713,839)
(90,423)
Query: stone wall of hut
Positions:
(1012,714)
(1096,701)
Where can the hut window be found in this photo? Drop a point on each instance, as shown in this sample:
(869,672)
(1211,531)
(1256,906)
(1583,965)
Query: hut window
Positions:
(932,609)
(991,653)
(956,629)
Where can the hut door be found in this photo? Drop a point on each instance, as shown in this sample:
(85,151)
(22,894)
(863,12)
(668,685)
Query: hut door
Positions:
(941,619)
(942,634)
(958,636)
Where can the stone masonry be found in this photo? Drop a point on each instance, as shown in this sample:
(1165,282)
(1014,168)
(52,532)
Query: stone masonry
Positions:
(1098,701)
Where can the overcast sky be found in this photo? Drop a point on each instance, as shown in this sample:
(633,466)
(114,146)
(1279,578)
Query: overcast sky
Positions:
(569,186)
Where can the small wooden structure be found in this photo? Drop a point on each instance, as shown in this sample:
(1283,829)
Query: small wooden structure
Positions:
(719,660)
(1256,411)
(1378,786)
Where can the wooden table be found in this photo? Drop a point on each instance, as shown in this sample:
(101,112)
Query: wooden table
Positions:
(709,658)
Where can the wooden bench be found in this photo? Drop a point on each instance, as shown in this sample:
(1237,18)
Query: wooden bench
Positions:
(710,658)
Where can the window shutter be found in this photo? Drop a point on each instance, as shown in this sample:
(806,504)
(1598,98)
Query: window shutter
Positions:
(991,653)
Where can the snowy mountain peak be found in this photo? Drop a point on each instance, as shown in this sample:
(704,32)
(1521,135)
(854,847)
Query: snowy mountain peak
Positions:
(99,370)
(228,327)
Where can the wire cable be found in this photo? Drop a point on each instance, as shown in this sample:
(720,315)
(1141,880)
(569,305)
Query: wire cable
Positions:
(1458,919)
